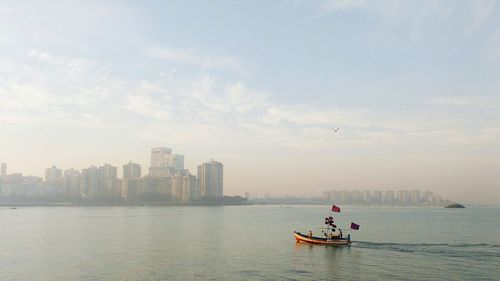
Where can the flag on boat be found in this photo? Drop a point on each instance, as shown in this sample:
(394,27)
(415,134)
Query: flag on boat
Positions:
(354,226)
(335,209)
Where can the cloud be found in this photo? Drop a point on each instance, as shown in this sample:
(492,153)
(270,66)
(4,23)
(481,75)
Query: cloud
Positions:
(6,10)
(193,57)
(459,101)
(342,5)
(57,90)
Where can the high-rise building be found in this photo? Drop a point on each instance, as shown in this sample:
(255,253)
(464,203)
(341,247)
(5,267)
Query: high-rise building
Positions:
(53,174)
(178,161)
(161,156)
(427,196)
(414,196)
(72,180)
(389,197)
(3,170)
(184,187)
(161,162)
(90,186)
(132,188)
(131,170)
(210,178)
(190,189)
(107,175)
(367,196)
(402,196)
(377,196)
(162,171)
(157,187)
(176,187)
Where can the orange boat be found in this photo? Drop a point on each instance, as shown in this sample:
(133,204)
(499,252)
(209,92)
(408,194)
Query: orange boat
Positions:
(302,238)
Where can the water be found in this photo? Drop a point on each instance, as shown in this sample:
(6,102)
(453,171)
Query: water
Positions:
(246,243)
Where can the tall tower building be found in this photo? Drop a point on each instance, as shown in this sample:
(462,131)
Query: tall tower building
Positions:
(210,177)
(107,175)
(178,161)
(3,170)
(161,156)
(161,162)
(90,184)
(185,187)
(53,174)
(131,170)
(72,180)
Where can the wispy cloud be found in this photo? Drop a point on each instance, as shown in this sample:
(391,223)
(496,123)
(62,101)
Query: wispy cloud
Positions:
(342,5)
(193,57)
(459,101)
(6,10)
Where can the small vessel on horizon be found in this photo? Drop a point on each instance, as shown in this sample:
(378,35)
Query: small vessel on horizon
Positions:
(455,206)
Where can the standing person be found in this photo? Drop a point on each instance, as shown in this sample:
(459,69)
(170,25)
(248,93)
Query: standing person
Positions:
(340,232)
(310,234)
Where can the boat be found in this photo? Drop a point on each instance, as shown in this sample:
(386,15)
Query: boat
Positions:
(455,206)
(302,238)
(329,236)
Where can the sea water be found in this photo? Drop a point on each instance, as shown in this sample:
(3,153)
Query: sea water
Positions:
(247,243)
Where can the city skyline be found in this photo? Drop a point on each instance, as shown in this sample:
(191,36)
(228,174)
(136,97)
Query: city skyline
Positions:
(413,87)
(167,181)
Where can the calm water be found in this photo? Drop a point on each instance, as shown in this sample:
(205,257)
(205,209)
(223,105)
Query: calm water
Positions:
(246,243)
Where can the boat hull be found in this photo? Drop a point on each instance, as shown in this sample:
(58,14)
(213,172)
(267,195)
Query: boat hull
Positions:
(301,238)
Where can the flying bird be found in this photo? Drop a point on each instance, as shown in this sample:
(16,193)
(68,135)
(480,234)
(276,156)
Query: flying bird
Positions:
(336,130)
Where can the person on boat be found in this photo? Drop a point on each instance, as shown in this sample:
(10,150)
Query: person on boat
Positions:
(310,234)
(340,232)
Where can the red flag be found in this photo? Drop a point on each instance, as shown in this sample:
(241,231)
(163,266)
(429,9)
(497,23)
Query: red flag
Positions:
(354,226)
(335,209)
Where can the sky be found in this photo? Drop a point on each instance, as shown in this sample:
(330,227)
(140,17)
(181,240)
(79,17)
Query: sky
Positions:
(413,86)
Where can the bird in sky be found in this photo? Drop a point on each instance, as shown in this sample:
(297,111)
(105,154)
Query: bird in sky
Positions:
(336,129)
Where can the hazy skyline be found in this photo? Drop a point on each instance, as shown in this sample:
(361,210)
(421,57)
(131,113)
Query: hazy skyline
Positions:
(257,85)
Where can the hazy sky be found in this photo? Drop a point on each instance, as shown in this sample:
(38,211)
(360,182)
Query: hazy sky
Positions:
(413,85)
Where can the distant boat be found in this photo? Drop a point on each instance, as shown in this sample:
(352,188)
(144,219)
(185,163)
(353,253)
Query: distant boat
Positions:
(302,238)
(455,206)
(13,208)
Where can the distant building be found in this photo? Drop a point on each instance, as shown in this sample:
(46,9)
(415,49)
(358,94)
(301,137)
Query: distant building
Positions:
(107,175)
(402,196)
(131,170)
(132,188)
(72,179)
(19,185)
(116,188)
(389,197)
(161,156)
(161,162)
(185,188)
(3,170)
(210,178)
(377,196)
(90,185)
(414,196)
(157,187)
(427,196)
(367,196)
(162,171)
(53,174)
(178,162)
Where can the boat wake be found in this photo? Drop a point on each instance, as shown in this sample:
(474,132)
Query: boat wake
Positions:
(465,250)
